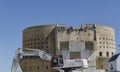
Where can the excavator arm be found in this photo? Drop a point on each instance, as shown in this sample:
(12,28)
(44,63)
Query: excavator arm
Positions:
(16,60)
(28,52)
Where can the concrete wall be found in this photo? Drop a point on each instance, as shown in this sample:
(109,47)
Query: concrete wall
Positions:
(105,44)
(35,65)
(38,37)
(74,41)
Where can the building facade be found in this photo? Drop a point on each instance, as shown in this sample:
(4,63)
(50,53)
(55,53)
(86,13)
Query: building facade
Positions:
(96,43)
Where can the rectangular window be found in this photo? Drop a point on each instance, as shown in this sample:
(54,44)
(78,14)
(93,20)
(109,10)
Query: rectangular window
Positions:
(112,53)
(75,55)
(30,68)
(89,45)
(100,53)
(64,45)
(101,66)
(38,67)
(107,54)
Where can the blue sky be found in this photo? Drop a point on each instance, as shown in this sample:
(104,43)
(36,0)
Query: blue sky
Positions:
(15,15)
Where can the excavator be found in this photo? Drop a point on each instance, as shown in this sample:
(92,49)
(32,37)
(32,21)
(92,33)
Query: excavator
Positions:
(57,62)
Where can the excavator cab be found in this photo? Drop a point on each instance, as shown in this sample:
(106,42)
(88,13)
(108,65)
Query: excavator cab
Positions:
(57,61)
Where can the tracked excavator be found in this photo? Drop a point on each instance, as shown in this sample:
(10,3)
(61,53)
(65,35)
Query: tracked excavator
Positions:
(57,62)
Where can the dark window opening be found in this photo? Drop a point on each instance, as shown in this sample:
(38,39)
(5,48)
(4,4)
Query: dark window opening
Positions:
(46,46)
(38,67)
(46,67)
(101,66)
(38,38)
(112,53)
(46,38)
(64,45)
(89,45)
(106,38)
(46,42)
(107,54)
(100,53)
(30,68)
(34,39)
(75,55)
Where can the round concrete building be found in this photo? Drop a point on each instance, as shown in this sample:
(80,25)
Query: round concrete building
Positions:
(105,45)
(39,37)
(105,40)
(93,42)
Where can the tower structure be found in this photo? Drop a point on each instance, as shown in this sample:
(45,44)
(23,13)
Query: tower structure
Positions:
(96,43)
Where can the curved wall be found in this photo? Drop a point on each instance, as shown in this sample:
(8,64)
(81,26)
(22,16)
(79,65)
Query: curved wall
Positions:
(43,37)
(39,37)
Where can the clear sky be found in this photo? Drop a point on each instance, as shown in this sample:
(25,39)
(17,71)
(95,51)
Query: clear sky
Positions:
(15,15)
